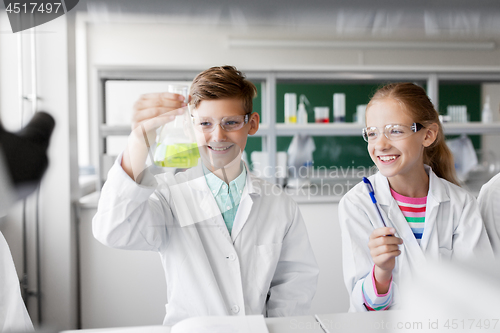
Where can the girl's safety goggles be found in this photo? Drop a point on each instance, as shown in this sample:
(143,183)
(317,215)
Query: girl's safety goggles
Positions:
(392,132)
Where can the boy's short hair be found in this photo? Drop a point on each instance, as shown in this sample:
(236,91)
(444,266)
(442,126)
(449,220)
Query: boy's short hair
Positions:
(223,82)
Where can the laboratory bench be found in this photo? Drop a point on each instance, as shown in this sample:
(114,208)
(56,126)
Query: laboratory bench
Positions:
(334,322)
(274,325)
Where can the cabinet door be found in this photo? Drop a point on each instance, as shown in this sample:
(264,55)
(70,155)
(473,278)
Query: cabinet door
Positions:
(118,287)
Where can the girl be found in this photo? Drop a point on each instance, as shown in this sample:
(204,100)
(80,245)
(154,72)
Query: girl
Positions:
(427,214)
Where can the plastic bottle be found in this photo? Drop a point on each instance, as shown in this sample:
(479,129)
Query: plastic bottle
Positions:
(487,114)
(360,113)
(300,161)
(339,107)
(290,108)
(301,110)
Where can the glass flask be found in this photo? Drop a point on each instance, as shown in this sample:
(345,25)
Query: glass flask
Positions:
(176,142)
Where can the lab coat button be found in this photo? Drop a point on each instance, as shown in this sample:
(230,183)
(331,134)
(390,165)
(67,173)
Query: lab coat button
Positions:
(232,256)
(235,309)
(223,187)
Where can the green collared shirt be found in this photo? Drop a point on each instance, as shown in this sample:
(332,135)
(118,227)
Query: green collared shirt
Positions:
(227,197)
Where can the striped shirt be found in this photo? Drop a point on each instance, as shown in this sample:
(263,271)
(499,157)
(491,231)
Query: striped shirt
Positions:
(414,212)
(372,300)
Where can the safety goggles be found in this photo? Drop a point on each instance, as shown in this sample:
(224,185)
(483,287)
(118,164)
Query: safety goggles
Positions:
(228,124)
(393,132)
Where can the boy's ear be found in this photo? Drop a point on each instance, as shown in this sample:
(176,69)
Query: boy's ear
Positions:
(254,123)
(430,134)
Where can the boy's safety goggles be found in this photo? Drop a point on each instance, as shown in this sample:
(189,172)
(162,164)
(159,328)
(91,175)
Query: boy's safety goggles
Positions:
(228,124)
(392,132)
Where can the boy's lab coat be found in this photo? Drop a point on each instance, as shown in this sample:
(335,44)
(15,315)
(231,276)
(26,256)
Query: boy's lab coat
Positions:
(453,231)
(209,272)
(13,314)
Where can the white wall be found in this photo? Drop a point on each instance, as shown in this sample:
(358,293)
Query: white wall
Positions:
(58,187)
(324,233)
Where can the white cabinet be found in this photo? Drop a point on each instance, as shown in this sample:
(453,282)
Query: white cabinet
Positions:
(117,287)
(270,130)
(127,288)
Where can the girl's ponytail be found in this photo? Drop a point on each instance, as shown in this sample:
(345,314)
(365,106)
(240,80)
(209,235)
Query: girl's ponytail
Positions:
(439,157)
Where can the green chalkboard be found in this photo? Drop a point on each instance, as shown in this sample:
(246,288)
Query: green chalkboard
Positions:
(255,143)
(462,94)
(342,151)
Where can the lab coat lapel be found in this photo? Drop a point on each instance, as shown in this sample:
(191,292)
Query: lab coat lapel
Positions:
(210,210)
(411,250)
(251,190)
(435,197)
(198,205)
(207,203)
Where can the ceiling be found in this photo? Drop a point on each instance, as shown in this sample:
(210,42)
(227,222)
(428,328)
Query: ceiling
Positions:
(426,17)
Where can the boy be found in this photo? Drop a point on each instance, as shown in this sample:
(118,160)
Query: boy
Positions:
(229,244)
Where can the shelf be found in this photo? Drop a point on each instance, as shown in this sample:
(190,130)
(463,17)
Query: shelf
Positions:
(270,131)
(352,129)
(471,128)
(107,130)
(333,129)
(330,129)
(120,130)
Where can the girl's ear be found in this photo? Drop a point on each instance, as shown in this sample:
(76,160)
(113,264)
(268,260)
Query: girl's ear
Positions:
(430,134)
(254,123)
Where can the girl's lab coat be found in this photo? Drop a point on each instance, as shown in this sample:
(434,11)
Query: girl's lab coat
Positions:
(453,231)
(13,314)
(489,199)
(209,272)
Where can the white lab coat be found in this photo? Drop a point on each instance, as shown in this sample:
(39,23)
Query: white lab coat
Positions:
(453,231)
(13,314)
(489,204)
(209,272)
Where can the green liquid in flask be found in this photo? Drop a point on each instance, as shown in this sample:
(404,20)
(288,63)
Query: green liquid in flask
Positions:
(179,155)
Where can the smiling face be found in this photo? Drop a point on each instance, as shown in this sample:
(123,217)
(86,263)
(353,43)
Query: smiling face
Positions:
(221,148)
(401,159)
